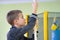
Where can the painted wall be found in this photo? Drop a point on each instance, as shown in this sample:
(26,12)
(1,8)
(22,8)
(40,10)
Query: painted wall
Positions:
(27,9)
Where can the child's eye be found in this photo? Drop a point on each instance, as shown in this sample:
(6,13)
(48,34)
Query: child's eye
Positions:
(22,17)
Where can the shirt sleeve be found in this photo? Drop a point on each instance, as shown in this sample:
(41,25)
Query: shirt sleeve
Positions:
(31,24)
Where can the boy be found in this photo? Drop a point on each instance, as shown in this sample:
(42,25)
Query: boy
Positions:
(16,20)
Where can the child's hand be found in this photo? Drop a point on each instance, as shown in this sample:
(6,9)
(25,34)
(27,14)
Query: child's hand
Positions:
(34,5)
(36,26)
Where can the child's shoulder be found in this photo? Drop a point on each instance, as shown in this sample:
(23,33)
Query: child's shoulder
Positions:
(14,29)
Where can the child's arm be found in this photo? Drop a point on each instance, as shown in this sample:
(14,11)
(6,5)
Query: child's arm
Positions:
(34,5)
(28,27)
(31,23)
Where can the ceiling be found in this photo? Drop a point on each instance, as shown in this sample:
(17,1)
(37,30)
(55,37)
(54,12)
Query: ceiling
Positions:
(23,1)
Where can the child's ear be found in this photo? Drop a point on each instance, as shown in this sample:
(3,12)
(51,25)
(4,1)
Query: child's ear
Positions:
(15,21)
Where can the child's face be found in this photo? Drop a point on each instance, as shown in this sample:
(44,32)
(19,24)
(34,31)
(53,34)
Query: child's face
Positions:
(21,20)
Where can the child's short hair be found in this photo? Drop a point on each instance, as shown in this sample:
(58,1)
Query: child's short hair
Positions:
(13,14)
